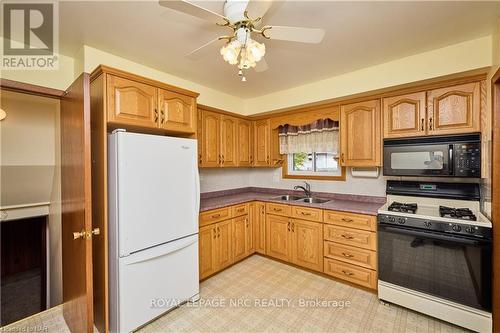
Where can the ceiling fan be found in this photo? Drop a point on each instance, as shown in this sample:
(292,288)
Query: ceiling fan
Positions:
(244,18)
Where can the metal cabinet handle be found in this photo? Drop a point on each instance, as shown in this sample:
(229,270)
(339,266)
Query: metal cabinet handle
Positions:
(80,234)
(346,236)
(288,226)
(346,220)
(156,115)
(342,160)
(267,159)
(239,210)
(218,232)
(347,255)
(347,273)
(162,116)
(422,126)
(306,214)
(215,232)
(430,123)
(215,216)
(293,227)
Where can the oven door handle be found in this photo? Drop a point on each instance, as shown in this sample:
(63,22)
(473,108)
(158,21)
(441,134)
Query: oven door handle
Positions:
(451,163)
(433,235)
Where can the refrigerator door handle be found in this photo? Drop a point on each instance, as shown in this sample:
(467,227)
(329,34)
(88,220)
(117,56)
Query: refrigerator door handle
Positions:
(167,249)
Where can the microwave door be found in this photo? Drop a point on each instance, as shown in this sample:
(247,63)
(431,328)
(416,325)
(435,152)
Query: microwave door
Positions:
(418,160)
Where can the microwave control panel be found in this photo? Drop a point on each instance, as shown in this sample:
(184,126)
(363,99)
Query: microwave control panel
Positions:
(467,159)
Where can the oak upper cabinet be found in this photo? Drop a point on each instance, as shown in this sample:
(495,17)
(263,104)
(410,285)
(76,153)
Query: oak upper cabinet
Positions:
(278,242)
(210,138)
(228,147)
(224,245)
(259,222)
(240,238)
(307,244)
(454,109)
(262,142)
(131,103)
(244,143)
(177,111)
(207,242)
(360,130)
(404,115)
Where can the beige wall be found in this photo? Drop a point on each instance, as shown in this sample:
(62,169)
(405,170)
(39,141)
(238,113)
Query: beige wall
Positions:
(455,58)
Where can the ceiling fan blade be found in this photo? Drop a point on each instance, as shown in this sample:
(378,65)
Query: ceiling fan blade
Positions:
(295,34)
(194,10)
(203,50)
(257,8)
(261,66)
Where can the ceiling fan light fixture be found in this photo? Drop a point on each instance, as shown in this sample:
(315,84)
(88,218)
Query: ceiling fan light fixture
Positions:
(231,51)
(255,49)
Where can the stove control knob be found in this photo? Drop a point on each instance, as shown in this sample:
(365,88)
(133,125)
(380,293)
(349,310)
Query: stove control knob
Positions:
(427,224)
(456,228)
(392,219)
(401,220)
(470,230)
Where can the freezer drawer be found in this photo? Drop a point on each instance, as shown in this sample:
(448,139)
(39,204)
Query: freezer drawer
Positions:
(152,281)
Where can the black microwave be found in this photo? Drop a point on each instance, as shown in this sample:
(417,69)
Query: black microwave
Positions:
(441,156)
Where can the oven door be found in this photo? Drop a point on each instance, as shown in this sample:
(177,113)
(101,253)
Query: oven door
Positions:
(450,267)
(418,160)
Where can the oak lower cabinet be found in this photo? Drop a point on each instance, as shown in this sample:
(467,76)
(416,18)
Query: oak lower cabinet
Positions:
(215,248)
(360,130)
(278,238)
(350,245)
(259,222)
(307,244)
(242,238)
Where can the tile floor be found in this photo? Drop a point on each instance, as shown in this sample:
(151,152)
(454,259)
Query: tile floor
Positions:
(262,295)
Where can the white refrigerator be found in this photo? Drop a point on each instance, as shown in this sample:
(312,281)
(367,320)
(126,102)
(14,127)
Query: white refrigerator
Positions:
(154,195)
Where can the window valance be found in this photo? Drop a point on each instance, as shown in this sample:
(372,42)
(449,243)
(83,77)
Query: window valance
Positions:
(319,136)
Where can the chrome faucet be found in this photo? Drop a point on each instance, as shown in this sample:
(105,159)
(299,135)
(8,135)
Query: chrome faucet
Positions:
(306,189)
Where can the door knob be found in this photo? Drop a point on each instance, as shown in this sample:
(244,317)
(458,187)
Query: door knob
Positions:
(80,234)
(96,231)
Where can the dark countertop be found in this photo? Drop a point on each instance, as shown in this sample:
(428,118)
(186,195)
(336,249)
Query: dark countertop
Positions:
(339,202)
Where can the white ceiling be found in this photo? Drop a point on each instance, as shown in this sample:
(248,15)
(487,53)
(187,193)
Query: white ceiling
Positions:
(358,34)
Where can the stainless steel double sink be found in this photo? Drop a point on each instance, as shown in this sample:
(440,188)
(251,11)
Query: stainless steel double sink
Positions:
(300,199)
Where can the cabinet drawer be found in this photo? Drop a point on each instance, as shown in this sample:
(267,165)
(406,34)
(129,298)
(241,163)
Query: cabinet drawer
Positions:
(239,210)
(351,273)
(359,238)
(352,255)
(215,215)
(358,221)
(277,209)
(306,213)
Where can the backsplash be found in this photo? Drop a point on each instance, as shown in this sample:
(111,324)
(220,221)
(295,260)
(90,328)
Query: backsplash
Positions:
(223,179)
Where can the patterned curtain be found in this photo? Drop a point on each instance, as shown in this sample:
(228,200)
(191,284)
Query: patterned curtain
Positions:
(319,136)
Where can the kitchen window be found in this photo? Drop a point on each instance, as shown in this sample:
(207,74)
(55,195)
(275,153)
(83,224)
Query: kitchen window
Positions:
(312,165)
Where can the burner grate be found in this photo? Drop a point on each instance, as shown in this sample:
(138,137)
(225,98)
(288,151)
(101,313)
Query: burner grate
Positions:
(403,207)
(457,213)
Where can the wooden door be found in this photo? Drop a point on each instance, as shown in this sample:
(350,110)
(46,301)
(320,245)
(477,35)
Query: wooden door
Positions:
(76,207)
(307,244)
(240,237)
(259,222)
(278,231)
(454,109)
(262,142)
(360,134)
(228,148)
(210,139)
(224,245)
(244,143)
(131,103)
(177,111)
(207,241)
(404,115)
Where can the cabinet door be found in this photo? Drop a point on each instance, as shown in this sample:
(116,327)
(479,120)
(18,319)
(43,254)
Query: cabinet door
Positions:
(228,147)
(278,229)
(251,230)
(177,111)
(224,245)
(131,103)
(207,240)
(307,244)
(240,237)
(360,134)
(262,142)
(260,227)
(210,139)
(454,109)
(404,115)
(244,144)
